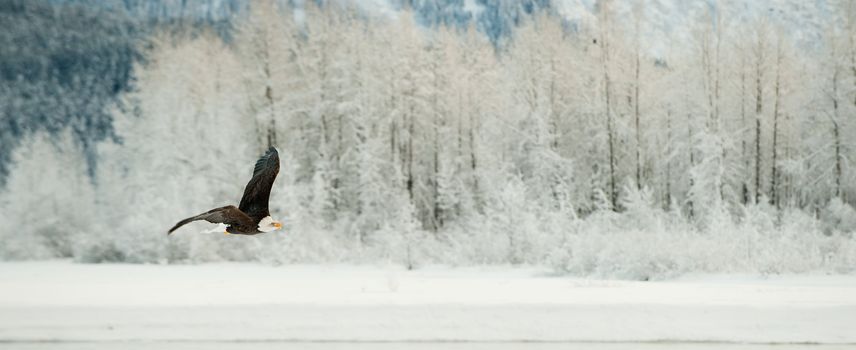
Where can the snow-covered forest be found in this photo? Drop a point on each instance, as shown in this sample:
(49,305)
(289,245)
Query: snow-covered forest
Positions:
(590,138)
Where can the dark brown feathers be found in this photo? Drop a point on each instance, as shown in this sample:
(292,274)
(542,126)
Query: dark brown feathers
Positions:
(257,193)
(228,215)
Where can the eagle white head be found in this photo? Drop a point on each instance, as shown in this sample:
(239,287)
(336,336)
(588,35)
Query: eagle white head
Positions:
(268,224)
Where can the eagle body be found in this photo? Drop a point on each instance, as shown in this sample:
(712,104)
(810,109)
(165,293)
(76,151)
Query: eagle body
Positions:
(251,216)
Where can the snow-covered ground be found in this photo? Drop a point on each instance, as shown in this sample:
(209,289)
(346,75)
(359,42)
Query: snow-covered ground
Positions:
(59,304)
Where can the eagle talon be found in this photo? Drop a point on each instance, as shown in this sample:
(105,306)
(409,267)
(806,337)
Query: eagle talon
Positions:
(225,232)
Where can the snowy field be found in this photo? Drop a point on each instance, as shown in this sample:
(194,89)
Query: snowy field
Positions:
(61,305)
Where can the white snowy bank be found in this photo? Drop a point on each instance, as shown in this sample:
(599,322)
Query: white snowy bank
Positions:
(65,302)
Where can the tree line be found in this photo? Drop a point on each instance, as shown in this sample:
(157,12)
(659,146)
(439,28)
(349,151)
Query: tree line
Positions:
(397,136)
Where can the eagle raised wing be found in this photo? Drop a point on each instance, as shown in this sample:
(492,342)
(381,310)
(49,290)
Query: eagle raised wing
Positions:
(228,215)
(254,203)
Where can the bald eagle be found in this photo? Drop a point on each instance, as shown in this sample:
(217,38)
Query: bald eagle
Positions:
(251,216)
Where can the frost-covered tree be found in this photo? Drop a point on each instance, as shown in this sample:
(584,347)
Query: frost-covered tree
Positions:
(182,135)
(49,201)
(541,67)
(266,45)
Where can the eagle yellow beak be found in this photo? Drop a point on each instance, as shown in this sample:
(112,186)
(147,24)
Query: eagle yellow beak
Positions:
(277,225)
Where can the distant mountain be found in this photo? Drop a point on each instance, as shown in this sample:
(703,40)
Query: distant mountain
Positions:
(60,64)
